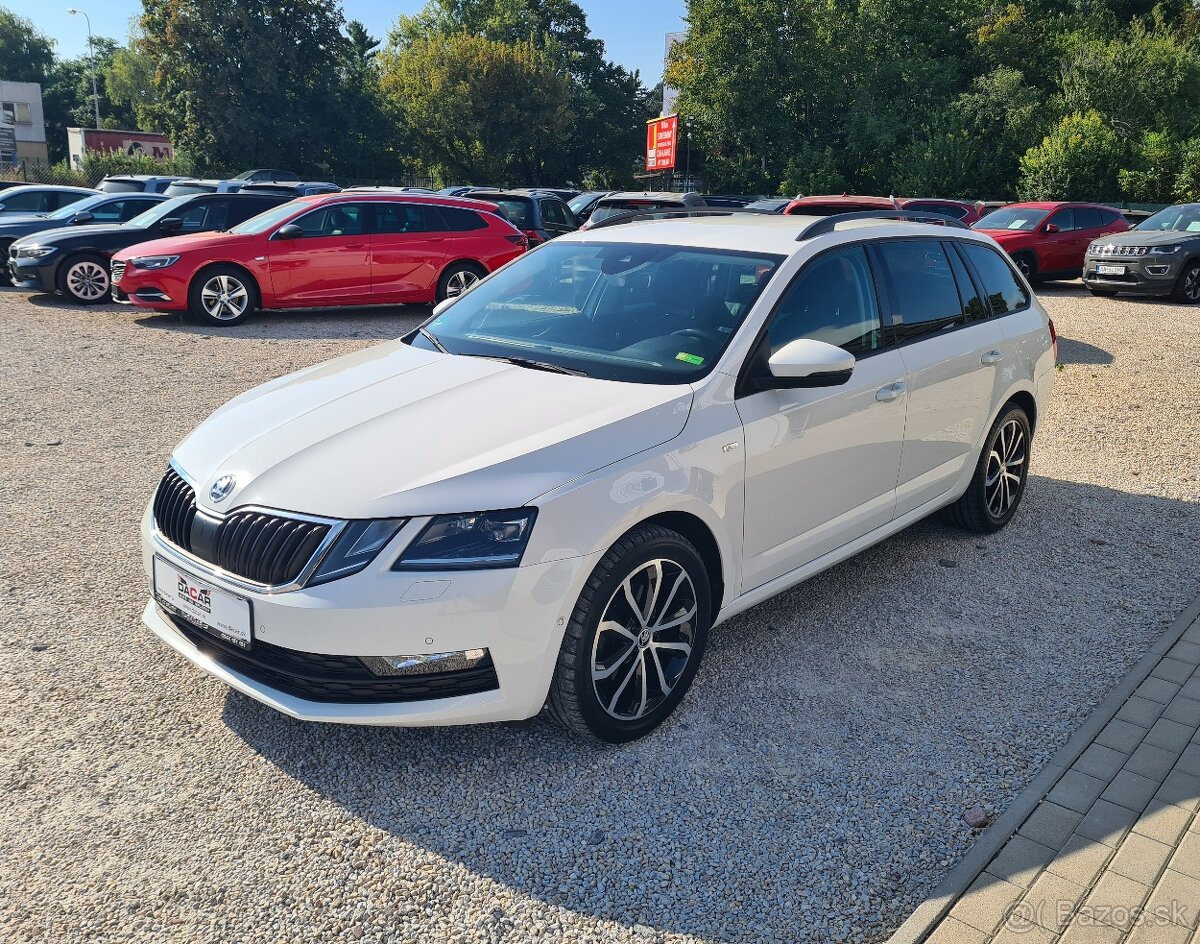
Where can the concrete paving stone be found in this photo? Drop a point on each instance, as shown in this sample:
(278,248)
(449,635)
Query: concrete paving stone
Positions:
(1088,932)
(1107,822)
(1141,711)
(1124,736)
(1140,858)
(1020,860)
(1158,690)
(1173,735)
(1185,651)
(1181,789)
(1158,934)
(1184,709)
(953,931)
(1115,901)
(1191,688)
(1080,860)
(1176,897)
(1162,821)
(1189,760)
(1024,934)
(1077,791)
(1050,824)
(1153,762)
(1130,790)
(1051,901)
(1173,670)
(986,903)
(1192,633)
(1187,857)
(1100,761)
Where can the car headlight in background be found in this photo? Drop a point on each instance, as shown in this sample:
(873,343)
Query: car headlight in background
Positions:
(356,547)
(34,252)
(474,541)
(1163,250)
(153,262)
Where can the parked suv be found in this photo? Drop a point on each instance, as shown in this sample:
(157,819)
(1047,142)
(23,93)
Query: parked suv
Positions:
(1159,256)
(625,204)
(75,260)
(551,491)
(135,183)
(1049,240)
(186,185)
(40,199)
(539,214)
(334,249)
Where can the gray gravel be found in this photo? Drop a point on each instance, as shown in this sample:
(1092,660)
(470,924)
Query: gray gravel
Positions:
(812,789)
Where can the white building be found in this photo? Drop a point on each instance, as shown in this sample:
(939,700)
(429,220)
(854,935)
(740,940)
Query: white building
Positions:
(21,105)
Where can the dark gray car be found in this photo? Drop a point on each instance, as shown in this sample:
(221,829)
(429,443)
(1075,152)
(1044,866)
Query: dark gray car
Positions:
(1160,256)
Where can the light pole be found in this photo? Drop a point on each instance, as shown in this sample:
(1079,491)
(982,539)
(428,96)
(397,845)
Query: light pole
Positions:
(92,57)
(687,161)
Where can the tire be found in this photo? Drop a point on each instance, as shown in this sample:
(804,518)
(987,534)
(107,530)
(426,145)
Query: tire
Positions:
(5,279)
(84,279)
(987,506)
(1102,292)
(1027,264)
(610,703)
(457,278)
(1187,286)
(222,296)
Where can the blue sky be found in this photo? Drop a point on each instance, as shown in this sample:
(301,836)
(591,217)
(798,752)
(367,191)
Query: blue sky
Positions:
(632,30)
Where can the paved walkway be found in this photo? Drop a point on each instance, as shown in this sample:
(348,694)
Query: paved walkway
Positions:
(1111,851)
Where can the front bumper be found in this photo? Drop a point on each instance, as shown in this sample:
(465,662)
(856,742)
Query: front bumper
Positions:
(36,274)
(158,289)
(518,615)
(1142,275)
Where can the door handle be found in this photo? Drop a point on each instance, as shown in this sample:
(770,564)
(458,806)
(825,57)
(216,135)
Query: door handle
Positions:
(992,357)
(890,392)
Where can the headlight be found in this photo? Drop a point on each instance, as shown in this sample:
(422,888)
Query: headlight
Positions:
(34,252)
(1163,250)
(473,541)
(356,547)
(153,262)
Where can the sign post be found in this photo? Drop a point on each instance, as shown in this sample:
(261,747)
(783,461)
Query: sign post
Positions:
(661,137)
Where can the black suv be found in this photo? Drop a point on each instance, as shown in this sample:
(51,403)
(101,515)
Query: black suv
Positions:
(74,260)
(539,214)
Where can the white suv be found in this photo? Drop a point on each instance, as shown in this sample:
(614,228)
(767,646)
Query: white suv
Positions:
(551,492)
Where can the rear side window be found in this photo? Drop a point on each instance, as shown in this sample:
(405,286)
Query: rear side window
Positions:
(973,306)
(831,300)
(1087,218)
(1005,293)
(1110,216)
(459,220)
(406,218)
(203,216)
(925,297)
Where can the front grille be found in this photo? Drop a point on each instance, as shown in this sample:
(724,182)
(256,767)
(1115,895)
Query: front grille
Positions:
(257,546)
(1112,250)
(118,272)
(317,677)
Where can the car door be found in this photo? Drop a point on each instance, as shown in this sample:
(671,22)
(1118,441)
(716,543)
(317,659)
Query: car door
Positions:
(408,248)
(821,463)
(1008,303)
(951,351)
(1057,249)
(1087,225)
(330,263)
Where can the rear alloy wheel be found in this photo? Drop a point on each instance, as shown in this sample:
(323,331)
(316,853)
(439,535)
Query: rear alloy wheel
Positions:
(1187,289)
(222,296)
(84,280)
(996,488)
(457,279)
(1024,262)
(636,637)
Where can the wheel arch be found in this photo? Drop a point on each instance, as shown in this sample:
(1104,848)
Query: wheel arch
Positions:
(1027,402)
(701,537)
(227,264)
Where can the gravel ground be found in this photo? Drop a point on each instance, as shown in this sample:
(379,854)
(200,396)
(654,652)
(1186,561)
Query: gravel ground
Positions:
(812,788)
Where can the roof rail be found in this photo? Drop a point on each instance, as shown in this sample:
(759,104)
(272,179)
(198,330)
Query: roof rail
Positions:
(670,213)
(827,224)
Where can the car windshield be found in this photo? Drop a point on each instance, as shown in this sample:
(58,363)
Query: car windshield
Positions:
(620,207)
(86,203)
(1184,219)
(615,311)
(265,220)
(1020,219)
(160,211)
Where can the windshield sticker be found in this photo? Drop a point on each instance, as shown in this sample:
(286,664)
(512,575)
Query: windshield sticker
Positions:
(1017,224)
(1194,227)
(693,359)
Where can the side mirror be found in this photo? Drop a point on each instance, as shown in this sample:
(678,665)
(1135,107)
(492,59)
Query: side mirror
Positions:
(172,224)
(83,216)
(807,363)
(291,231)
(442,306)
(1050,228)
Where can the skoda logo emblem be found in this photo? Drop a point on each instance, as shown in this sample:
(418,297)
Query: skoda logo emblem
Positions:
(222,487)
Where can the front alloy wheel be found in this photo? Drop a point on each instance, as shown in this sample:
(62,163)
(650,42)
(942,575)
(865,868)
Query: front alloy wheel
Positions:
(86,282)
(1188,287)
(222,296)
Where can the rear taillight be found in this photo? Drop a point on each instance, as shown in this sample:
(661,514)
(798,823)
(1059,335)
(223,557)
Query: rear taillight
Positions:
(518,239)
(534,238)
(1053,339)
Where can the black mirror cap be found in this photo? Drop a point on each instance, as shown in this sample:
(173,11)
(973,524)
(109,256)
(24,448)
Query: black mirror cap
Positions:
(290,231)
(172,224)
(765,380)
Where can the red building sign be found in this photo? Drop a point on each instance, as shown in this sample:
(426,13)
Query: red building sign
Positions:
(661,135)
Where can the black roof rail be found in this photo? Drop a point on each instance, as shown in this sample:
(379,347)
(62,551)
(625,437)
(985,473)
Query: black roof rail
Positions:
(827,224)
(671,213)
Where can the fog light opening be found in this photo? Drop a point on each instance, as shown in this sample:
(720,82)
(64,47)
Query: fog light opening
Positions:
(425,663)
(1157,269)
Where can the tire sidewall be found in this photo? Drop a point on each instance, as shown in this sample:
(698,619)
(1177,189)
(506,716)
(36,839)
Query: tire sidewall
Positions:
(1013,412)
(196,309)
(451,270)
(1193,266)
(1027,264)
(601,724)
(64,281)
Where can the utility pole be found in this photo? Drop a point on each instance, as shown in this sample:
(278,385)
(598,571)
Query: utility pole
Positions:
(92,58)
(687,161)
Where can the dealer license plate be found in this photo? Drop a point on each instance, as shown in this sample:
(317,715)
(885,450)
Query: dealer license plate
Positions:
(211,608)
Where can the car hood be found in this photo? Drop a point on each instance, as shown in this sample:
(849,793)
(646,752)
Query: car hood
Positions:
(395,431)
(20,223)
(1006,235)
(47,236)
(1146,237)
(179,244)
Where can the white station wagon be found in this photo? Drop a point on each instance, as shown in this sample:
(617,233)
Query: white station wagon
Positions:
(549,494)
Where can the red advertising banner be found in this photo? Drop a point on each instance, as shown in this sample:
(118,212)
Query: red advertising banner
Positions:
(661,135)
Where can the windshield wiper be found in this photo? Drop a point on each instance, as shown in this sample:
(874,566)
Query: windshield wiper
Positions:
(533,365)
(428,336)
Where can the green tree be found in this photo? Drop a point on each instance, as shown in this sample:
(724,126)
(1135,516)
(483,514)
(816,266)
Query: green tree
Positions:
(1155,161)
(1187,181)
(129,80)
(1077,160)
(25,54)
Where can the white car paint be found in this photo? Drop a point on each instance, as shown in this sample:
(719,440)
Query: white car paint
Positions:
(787,482)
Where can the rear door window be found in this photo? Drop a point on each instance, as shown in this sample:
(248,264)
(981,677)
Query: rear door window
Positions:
(407,218)
(973,305)
(1087,218)
(925,298)
(204,216)
(1004,290)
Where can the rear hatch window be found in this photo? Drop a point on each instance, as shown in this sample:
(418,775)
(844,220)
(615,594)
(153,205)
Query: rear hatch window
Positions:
(120,185)
(517,210)
(609,208)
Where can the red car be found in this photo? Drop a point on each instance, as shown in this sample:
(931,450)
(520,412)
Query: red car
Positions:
(332,249)
(966,213)
(1049,240)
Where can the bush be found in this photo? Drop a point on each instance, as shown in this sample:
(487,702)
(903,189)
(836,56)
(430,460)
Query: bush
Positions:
(1187,182)
(1077,160)
(104,164)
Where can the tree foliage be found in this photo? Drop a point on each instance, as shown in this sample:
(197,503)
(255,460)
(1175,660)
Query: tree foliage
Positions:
(25,54)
